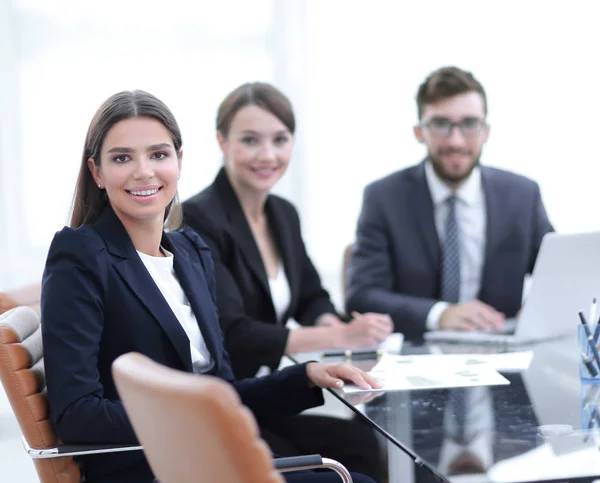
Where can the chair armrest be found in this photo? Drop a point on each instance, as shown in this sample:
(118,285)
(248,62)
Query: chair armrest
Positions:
(77,450)
(283,464)
(309,462)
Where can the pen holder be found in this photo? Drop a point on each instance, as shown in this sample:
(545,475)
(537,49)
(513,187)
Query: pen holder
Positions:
(588,355)
(590,405)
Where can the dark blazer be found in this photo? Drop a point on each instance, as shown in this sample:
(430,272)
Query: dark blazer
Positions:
(253,336)
(394,266)
(98,302)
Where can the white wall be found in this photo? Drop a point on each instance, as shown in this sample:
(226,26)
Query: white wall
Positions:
(63,58)
(351,68)
(536,59)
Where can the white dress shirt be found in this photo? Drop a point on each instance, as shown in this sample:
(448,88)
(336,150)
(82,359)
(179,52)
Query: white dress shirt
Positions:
(280,293)
(471,219)
(163,274)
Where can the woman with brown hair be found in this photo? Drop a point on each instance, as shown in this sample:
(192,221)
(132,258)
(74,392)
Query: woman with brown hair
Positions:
(263,273)
(115,282)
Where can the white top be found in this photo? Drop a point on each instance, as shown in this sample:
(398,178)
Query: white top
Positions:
(161,270)
(471,219)
(281,296)
(280,293)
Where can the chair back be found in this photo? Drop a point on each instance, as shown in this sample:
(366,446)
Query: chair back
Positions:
(28,295)
(192,427)
(345,262)
(23,378)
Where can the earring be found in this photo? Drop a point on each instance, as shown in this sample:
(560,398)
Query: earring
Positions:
(178,175)
(99,186)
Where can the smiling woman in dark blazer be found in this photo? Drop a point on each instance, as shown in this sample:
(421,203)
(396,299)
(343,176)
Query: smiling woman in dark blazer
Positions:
(116,282)
(263,273)
(264,276)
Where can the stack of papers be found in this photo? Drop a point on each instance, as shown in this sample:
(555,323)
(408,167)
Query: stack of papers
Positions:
(408,373)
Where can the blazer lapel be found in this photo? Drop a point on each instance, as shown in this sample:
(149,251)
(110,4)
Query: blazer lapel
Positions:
(420,199)
(242,232)
(191,277)
(133,272)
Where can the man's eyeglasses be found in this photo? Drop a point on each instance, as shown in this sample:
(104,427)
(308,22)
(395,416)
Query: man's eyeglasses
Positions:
(442,127)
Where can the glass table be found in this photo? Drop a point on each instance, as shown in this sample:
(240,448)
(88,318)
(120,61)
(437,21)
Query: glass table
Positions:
(543,426)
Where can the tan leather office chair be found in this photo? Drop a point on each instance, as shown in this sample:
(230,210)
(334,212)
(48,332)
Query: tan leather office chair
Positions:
(28,295)
(23,378)
(194,426)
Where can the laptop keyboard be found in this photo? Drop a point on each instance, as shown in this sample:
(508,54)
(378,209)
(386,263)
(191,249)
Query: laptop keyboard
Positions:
(505,336)
(469,337)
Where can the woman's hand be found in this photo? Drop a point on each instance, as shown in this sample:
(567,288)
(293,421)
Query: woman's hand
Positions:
(367,331)
(334,375)
(328,320)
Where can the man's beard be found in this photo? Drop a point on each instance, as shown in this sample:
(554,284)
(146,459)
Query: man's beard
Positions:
(444,175)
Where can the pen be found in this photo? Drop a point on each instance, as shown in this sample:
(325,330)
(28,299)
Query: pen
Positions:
(360,354)
(596,330)
(592,316)
(590,425)
(593,421)
(591,396)
(587,362)
(590,338)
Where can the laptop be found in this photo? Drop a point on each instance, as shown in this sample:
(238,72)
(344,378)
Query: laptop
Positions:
(565,279)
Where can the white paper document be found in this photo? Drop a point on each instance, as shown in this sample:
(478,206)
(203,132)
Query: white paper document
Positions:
(501,361)
(407,373)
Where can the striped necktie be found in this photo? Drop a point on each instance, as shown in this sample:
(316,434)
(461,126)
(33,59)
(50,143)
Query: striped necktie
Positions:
(450,269)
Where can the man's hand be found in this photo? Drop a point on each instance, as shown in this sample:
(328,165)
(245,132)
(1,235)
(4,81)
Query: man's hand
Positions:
(473,315)
(367,331)
(334,375)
